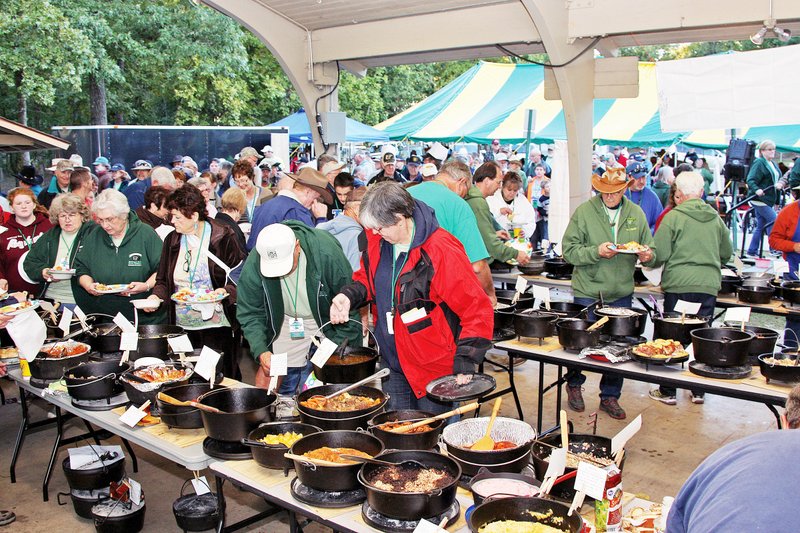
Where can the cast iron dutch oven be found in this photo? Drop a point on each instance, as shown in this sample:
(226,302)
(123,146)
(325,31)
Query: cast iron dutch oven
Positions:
(503,316)
(180,416)
(152,339)
(195,512)
(55,332)
(730,284)
(790,290)
(764,340)
(558,267)
(460,436)
(328,420)
(541,449)
(346,369)
(138,392)
(525,300)
(770,370)
(333,478)
(97,477)
(721,346)
(534,323)
(95,381)
(572,334)
(271,455)
(114,517)
(565,309)
(755,294)
(243,410)
(623,321)
(499,266)
(411,505)
(84,500)
(425,440)
(525,510)
(46,366)
(676,327)
(535,267)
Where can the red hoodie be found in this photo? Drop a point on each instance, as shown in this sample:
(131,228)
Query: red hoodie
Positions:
(13,247)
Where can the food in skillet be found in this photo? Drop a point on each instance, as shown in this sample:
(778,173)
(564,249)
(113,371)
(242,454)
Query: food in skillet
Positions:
(779,362)
(500,445)
(284,439)
(660,349)
(517,526)
(333,454)
(343,402)
(409,479)
(389,426)
(65,349)
(159,374)
(349,359)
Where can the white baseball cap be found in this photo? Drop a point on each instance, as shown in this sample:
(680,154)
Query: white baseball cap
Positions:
(275,245)
(267,148)
(428,170)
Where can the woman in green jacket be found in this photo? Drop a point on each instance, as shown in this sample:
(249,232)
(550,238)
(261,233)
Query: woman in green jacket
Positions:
(762,180)
(57,248)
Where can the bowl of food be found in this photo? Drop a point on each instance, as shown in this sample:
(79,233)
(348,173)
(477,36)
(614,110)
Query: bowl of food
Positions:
(61,273)
(269,442)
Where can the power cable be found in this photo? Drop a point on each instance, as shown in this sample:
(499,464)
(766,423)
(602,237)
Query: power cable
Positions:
(550,65)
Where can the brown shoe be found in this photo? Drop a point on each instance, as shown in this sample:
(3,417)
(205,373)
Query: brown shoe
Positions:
(575,399)
(612,407)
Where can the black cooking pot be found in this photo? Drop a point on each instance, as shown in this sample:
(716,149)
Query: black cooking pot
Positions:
(503,316)
(340,369)
(790,290)
(534,323)
(45,366)
(638,276)
(525,300)
(480,492)
(243,410)
(629,324)
(196,512)
(113,517)
(787,374)
(572,334)
(152,339)
(106,471)
(411,505)
(755,294)
(721,346)
(426,440)
(460,436)
(535,267)
(778,287)
(764,340)
(271,455)
(95,381)
(536,510)
(84,500)
(55,332)
(558,267)
(499,267)
(180,416)
(730,284)
(138,393)
(565,309)
(677,327)
(328,420)
(333,478)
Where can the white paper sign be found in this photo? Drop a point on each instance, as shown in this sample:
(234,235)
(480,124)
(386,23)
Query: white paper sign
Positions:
(132,416)
(542,294)
(619,440)
(206,366)
(591,480)
(163,230)
(423,526)
(47,306)
(123,323)
(129,341)
(779,266)
(728,272)
(66,320)
(136,491)
(521,284)
(29,333)
(688,308)
(181,344)
(201,486)
(324,351)
(279,364)
(81,316)
(558,463)
(84,455)
(273,382)
(690,350)
(737,314)
(737,262)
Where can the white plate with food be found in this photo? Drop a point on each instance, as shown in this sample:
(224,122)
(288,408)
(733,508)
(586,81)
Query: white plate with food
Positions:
(115,288)
(61,273)
(198,296)
(632,247)
(19,308)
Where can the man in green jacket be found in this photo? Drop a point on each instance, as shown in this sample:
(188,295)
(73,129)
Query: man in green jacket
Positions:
(488,178)
(589,243)
(692,243)
(284,296)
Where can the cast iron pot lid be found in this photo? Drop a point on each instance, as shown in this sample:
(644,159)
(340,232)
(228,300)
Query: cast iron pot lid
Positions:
(446,389)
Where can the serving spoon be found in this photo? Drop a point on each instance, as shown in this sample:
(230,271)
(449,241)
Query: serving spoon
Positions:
(166,398)
(377,375)
(408,463)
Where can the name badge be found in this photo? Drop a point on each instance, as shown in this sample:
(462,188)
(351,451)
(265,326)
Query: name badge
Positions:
(296,329)
(390,322)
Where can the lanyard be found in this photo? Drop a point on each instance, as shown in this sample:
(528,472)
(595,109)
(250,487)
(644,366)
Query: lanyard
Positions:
(613,221)
(251,205)
(28,241)
(629,196)
(69,246)
(193,271)
(293,297)
(394,262)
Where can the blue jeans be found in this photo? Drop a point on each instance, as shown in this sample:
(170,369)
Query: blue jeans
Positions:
(707,304)
(765,215)
(402,397)
(294,379)
(610,386)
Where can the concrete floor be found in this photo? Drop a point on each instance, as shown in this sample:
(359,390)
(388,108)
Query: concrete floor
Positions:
(672,442)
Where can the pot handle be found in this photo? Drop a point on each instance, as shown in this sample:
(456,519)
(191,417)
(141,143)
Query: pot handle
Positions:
(254,444)
(59,495)
(93,381)
(650,310)
(369,331)
(185,483)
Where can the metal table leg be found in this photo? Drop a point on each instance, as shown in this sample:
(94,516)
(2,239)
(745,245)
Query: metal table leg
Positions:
(558,391)
(514,387)
(539,408)
(775,412)
(56,445)
(23,429)
(134,461)
(220,503)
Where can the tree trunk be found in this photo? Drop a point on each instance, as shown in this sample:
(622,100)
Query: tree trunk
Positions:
(22,114)
(97,101)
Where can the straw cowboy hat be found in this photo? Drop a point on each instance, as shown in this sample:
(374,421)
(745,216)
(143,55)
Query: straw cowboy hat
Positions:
(613,180)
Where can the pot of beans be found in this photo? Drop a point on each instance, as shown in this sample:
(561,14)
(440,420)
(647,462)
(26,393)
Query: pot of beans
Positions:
(410,491)
(318,462)
(511,451)
(350,410)
(422,438)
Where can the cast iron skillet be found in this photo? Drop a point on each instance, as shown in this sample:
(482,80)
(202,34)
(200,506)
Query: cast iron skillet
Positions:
(520,509)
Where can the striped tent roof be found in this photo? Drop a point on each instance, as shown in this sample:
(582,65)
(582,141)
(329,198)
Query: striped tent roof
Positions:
(489,101)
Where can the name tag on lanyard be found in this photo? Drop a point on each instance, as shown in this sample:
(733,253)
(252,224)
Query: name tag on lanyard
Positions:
(296,329)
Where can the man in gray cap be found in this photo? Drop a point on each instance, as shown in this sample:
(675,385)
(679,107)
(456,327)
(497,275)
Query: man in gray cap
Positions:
(388,170)
(58,184)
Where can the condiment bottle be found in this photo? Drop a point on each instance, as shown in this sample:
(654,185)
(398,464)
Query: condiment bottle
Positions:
(608,511)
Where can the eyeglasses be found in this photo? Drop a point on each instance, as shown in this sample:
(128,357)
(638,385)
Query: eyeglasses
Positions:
(66,216)
(187,259)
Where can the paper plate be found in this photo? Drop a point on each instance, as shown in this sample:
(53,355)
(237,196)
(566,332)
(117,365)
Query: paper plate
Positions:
(114,289)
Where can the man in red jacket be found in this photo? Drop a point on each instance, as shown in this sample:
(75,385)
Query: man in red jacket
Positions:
(432,316)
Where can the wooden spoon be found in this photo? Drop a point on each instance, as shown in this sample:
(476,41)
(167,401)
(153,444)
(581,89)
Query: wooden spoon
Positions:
(564,430)
(461,410)
(318,462)
(166,398)
(597,324)
(486,443)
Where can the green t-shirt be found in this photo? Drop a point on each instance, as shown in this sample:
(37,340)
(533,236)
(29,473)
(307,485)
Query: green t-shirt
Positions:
(454,215)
